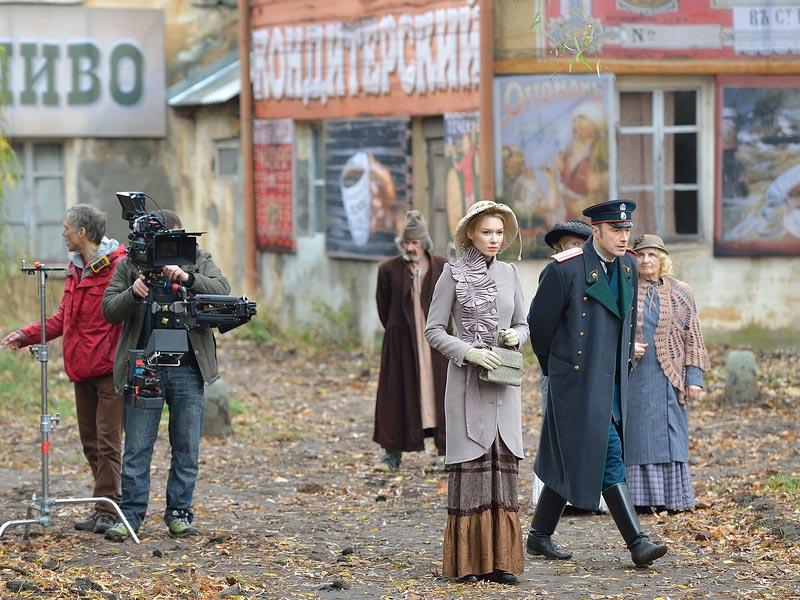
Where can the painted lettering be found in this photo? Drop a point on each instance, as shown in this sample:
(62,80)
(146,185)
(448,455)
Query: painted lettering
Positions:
(47,68)
(85,57)
(427,52)
(127,67)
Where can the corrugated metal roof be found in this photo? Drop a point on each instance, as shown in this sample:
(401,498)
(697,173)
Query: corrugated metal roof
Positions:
(216,87)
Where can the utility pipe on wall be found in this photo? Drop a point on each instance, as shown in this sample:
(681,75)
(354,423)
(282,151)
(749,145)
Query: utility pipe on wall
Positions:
(486,100)
(246,150)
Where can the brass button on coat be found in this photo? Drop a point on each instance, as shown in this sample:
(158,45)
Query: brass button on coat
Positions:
(580,352)
(583,315)
(580,334)
(585,298)
(577,367)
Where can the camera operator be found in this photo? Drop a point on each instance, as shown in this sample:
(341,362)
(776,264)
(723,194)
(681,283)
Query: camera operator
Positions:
(89,342)
(181,386)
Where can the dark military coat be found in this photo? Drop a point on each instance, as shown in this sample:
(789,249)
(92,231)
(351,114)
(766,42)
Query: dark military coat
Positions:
(579,335)
(398,415)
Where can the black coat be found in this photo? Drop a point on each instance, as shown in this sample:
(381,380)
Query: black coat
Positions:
(578,336)
(398,416)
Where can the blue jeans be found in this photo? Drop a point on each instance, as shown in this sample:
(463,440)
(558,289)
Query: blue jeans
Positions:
(183,392)
(614,471)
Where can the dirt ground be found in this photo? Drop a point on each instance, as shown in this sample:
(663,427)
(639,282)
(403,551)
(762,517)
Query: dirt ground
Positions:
(293,505)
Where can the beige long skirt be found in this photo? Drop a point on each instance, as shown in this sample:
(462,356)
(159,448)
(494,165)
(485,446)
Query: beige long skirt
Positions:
(483,533)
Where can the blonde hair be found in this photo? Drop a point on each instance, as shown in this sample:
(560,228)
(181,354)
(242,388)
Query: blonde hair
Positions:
(665,261)
(472,226)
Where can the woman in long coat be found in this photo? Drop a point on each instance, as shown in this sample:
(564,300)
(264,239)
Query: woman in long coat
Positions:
(668,376)
(483,297)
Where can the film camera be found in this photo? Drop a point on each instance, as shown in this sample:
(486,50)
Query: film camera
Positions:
(172,309)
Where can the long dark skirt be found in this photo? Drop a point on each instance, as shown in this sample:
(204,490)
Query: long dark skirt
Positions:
(483,533)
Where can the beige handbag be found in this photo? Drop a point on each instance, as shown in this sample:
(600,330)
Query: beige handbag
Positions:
(510,370)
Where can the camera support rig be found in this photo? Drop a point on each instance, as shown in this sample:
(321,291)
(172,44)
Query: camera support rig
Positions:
(43,504)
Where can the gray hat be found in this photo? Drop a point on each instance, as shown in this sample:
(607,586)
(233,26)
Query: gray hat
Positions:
(415,227)
(649,240)
(577,228)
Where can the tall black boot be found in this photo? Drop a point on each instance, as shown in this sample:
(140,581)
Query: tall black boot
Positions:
(548,512)
(643,550)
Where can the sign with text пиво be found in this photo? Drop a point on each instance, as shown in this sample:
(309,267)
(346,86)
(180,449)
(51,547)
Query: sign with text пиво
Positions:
(70,71)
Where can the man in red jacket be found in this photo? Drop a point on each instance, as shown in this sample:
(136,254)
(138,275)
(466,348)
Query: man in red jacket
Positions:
(89,345)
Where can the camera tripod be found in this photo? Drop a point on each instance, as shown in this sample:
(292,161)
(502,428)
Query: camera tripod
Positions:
(43,504)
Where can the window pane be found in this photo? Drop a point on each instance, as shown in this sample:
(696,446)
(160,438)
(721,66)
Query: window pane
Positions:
(14,241)
(49,244)
(227,162)
(12,208)
(681,212)
(635,109)
(680,108)
(635,159)
(48,200)
(680,158)
(47,158)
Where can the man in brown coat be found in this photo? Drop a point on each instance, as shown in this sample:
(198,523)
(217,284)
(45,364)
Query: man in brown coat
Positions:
(410,399)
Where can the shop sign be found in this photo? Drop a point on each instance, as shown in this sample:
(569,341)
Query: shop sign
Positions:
(766,29)
(75,71)
(428,56)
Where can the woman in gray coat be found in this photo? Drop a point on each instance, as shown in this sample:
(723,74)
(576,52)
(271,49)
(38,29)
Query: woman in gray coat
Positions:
(483,297)
(668,376)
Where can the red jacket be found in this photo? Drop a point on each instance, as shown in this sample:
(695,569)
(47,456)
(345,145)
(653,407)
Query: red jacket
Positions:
(89,340)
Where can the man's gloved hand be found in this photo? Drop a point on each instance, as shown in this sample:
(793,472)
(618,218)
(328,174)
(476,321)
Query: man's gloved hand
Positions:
(483,358)
(509,338)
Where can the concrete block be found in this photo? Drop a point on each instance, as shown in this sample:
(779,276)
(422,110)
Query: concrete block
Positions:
(741,380)
(217,419)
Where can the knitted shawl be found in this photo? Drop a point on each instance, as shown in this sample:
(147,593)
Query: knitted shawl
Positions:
(476,292)
(678,338)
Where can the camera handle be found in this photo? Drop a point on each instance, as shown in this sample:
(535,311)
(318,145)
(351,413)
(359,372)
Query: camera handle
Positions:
(43,504)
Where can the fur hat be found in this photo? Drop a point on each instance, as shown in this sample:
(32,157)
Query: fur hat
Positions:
(510,231)
(415,227)
(577,228)
(648,240)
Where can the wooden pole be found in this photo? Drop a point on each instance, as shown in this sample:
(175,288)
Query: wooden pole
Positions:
(246,150)
(486,101)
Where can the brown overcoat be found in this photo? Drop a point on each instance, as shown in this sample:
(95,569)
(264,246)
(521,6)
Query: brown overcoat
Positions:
(398,418)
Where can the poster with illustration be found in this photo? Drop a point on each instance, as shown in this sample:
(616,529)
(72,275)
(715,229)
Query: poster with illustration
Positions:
(273,182)
(757,207)
(367,185)
(552,156)
(462,182)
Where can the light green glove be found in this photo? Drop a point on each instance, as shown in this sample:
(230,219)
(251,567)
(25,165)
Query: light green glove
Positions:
(509,338)
(483,358)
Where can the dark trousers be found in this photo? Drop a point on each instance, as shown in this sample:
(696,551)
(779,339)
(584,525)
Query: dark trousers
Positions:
(99,411)
(614,471)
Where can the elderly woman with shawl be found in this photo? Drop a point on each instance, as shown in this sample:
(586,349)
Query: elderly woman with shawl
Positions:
(483,297)
(670,360)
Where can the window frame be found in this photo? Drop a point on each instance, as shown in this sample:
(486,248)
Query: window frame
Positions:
(27,173)
(703,127)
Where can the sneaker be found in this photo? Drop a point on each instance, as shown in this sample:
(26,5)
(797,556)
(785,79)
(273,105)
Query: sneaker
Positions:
(117,532)
(391,461)
(179,523)
(86,524)
(103,522)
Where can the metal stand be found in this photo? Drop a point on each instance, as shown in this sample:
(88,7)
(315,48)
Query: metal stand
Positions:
(44,503)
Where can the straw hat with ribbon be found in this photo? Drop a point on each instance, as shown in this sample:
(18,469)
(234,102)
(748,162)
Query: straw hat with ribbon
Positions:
(461,240)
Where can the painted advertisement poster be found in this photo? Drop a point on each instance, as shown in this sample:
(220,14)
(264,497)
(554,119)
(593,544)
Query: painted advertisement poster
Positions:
(701,29)
(552,157)
(757,208)
(462,183)
(273,181)
(366,186)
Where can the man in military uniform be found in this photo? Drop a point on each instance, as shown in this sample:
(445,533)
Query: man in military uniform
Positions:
(582,323)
